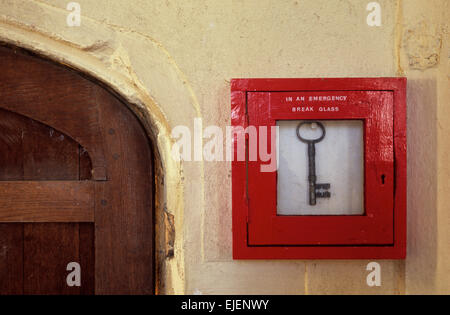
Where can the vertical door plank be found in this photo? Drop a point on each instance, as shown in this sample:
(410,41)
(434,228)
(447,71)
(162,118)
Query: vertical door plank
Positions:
(11,259)
(87,234)
(85,165)
(124,207)
(12,128)
(48,154)
(87,258)
(11,235)
(49,247)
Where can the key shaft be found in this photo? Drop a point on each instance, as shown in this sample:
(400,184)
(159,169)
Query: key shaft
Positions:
(315,190)
(312,173)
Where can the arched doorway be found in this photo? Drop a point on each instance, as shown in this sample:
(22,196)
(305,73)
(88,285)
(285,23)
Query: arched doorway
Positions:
(76,184)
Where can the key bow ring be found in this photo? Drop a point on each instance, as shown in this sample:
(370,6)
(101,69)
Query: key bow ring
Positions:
(318,123)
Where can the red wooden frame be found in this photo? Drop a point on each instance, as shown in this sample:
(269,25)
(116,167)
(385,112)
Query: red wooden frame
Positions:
(258,233)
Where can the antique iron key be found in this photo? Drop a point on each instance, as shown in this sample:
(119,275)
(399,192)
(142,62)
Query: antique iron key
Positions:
(315,190)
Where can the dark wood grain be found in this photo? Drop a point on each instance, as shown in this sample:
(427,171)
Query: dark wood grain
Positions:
(87,258)
(47,201)
(11,259)
(85,172)
(55,96)
(61,126)
(33,151)
(49,247)
(124,208)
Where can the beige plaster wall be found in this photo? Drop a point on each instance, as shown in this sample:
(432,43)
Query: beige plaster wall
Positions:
(173,59)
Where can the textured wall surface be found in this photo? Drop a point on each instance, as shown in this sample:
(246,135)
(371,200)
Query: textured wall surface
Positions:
(172,60)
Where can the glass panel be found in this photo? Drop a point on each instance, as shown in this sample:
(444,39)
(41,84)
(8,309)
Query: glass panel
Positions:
(339,161)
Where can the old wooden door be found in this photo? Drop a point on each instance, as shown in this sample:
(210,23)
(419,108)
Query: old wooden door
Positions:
(76,184)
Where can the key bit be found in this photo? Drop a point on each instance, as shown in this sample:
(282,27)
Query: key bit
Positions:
(325,194)
(323,186)
(322,191)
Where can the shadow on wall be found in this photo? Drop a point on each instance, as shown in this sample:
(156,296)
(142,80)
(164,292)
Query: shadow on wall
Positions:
(422,186)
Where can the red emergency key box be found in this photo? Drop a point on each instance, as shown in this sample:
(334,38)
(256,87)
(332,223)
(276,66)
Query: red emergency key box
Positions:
(284,212)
